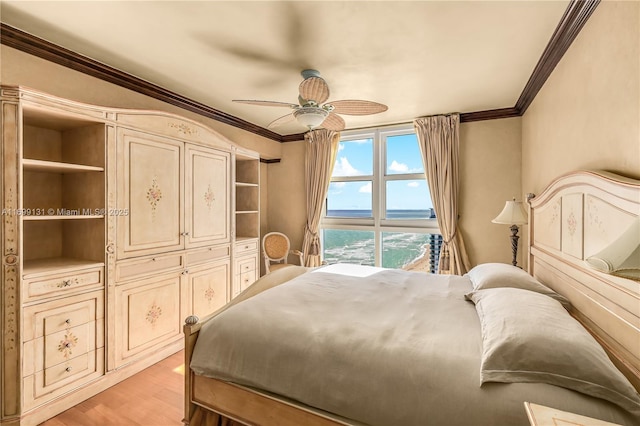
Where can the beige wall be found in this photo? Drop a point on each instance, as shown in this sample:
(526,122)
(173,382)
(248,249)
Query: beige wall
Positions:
(287,201)
(587,115)
(490,164)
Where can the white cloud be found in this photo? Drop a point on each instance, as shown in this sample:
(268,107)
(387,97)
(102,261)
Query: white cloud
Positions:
(344,168)
(358,141)
(366,188)
(338,185)
(413,184)
(398,167)
(340,147)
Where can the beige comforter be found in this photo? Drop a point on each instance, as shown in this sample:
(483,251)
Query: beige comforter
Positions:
(387,347)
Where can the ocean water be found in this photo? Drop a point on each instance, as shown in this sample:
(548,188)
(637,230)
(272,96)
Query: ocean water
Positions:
(391,214)
(398,248)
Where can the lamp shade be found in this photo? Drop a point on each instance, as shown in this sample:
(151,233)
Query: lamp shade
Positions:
(512,214)
(310,117)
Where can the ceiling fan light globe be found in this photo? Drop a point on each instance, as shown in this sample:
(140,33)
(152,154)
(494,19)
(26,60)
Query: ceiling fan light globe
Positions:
(310,117)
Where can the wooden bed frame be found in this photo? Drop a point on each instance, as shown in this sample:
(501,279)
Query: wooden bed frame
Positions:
(575,217)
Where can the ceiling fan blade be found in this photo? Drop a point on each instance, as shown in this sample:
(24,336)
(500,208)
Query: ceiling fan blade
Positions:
(356,107)
(282,120)
(267,103)
(333,122)
(314,89)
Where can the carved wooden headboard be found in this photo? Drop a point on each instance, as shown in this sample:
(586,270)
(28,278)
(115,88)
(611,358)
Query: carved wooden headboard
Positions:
(578,215)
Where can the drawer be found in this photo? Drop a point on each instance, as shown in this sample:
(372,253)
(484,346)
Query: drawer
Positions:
(66,345)
(62,371)
(247,278)
(52,317)
(244,246)
(246,264)
(195,257)
(64,283)
(58,380)
(148,266)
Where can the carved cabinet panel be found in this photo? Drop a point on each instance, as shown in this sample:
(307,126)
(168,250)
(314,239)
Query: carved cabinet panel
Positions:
(150,194)
(148,315)
(207,206)
(209,288)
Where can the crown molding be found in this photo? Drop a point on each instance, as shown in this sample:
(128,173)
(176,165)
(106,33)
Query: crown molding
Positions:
(574,18)
(490,114)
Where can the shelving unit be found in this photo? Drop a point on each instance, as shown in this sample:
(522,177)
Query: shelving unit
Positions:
(247,222)
(247,197)
(63,193)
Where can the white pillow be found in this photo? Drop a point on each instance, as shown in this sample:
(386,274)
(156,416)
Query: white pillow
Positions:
(528,337)
(494,275)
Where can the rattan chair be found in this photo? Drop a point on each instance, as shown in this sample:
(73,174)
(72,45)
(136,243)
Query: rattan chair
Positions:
(275,248)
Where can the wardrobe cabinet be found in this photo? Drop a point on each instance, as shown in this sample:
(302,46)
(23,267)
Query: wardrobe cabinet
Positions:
(116,225)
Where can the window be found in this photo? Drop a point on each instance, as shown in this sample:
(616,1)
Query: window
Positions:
(378,209)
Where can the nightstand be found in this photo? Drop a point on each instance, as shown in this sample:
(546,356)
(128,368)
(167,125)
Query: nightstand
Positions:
(539,415)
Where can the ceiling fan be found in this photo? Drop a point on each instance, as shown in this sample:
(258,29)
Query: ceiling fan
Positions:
(313,110)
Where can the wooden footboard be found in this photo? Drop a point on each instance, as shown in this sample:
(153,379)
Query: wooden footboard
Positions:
(235,402)
(238,403)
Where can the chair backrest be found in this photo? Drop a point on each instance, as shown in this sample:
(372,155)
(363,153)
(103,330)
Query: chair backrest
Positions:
(275,246)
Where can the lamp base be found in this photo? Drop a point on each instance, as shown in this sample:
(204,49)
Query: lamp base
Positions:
(514,244)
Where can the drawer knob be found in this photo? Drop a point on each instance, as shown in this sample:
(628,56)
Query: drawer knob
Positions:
(246,247)
(184,234)
(68,369)
(67,321)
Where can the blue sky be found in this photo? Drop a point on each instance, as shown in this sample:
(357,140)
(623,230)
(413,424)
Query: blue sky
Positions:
(355,158)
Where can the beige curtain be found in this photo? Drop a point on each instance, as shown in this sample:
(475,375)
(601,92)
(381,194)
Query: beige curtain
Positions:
(438,138)
(321,153)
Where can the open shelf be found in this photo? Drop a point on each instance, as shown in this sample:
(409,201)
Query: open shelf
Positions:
(30,164)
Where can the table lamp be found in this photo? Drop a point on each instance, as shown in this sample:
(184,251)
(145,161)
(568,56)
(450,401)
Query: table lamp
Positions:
(513,214)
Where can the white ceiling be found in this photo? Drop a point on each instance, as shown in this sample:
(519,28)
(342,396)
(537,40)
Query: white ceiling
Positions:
(417,57)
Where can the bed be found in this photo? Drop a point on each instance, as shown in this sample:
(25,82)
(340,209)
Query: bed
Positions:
(362,345)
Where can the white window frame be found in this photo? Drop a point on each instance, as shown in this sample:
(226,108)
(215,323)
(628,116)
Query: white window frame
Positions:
(378,224)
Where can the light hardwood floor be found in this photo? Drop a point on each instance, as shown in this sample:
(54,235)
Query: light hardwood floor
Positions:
(153,397)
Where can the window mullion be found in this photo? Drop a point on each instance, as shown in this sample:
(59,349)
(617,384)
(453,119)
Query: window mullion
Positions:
(379,195)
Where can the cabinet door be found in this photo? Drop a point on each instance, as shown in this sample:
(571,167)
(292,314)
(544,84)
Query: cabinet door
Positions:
(209,287)
(148,316)
(207,206)
(150,195)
